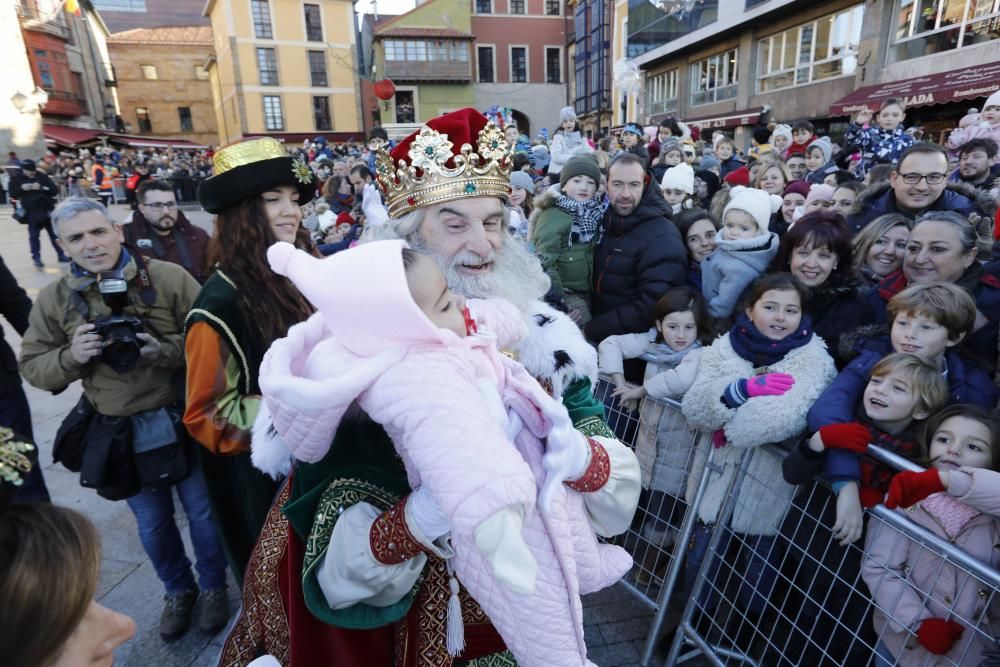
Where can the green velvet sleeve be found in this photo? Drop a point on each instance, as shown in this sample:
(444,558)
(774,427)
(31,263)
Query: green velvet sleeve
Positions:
(585,410)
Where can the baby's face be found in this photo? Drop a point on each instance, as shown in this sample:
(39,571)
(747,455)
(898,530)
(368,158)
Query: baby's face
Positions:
(814,159)
(780,142)
(801,136)
(991,114)
(430,292)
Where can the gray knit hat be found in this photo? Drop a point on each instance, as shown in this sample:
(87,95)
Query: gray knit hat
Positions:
(581,165)
(708,161)
(521,179)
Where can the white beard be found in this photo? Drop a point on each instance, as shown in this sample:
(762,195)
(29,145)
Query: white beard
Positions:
(517,275)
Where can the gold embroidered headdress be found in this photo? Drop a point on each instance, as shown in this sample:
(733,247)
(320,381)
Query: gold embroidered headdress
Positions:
(455,156)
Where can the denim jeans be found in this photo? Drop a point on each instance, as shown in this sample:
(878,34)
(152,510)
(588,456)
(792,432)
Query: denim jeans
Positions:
(883,656)
(154,514)
(754,567)
(34,238)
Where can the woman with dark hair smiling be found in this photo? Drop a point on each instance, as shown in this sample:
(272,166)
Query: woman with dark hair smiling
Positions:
(817,250)
(256,194)
(698,231)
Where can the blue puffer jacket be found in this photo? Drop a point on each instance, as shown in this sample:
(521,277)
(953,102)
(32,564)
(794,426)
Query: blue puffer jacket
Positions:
(881,199)
(839,404)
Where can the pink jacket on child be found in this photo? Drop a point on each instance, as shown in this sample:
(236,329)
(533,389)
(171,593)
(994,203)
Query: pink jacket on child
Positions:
(468,423)
(909,583)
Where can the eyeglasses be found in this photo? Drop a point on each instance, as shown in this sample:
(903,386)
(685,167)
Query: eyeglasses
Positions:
(932,179)
(159,206)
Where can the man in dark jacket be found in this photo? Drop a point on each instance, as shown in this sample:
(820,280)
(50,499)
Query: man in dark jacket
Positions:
(160,231)
(919,184)
(640,256)
(15,414)
(37,194)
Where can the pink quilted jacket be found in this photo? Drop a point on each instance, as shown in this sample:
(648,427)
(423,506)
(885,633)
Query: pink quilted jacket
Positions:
(446,402)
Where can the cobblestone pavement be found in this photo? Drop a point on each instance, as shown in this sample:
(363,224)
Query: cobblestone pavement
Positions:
(616,622)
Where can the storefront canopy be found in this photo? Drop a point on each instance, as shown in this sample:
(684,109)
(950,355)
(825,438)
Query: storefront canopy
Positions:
(69,137)
(141,141)
(953,86)
(732,119)
(299,137)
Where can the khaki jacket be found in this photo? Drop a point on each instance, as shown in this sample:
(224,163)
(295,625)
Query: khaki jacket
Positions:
(46,361)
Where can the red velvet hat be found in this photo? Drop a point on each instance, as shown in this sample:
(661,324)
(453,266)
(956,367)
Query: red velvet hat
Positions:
(454,156)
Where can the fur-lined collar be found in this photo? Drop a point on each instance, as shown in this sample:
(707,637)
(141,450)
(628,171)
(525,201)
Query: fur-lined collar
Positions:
(555,349)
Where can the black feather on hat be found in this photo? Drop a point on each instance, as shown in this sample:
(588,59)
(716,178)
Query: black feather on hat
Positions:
(247,168)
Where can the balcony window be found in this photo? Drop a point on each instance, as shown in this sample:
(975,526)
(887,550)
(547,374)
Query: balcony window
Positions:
(484,56)
(661,91)
(459,52)
(484,6)
(814,51)
(261,19)
(553,8)
(714,78)
(317,68)
(148,72)
(267,65)
(516,6)
(184,116)
(321,113)
(519,64)
(553,64)
(314,26)
(44,71)
(274,119)
(142,120)
(925,27)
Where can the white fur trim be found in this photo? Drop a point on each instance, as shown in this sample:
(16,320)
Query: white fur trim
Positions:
(551,331)
(268,452)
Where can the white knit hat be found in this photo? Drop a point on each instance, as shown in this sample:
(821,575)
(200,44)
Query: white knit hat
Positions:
(825,147)
(993,100)
(567,113)
(782,131)
(757,203)
(679,177)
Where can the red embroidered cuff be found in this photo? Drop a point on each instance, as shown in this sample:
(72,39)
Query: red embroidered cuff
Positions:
(390,540)
(598,471)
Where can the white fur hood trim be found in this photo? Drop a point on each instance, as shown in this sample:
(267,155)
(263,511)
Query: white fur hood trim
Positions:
(555,348)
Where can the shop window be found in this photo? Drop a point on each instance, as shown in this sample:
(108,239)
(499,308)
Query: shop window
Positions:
(814,51)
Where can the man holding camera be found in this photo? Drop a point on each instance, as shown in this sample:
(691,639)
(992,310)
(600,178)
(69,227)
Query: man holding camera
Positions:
(115,322)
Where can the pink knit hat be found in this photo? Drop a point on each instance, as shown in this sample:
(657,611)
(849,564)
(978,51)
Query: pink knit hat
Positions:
(818,192)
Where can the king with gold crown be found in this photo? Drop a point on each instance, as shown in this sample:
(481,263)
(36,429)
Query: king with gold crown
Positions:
(445,188)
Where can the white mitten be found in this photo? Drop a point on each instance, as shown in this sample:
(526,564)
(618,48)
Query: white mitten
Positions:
(425,515)
(567,454)
(500,541)
(372,206)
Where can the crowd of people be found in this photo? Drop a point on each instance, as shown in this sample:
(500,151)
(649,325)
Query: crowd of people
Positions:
(372,386)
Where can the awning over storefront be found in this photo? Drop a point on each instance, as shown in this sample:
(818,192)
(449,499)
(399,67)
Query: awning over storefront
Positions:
(70,137)
(299,137)
(139,141)
(953,86)
(732,119)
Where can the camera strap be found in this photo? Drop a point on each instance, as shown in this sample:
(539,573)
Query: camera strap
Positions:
(146,290)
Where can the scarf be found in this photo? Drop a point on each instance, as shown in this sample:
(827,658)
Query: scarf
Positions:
(892,284)
(662,354)
(950,512)
(760,350)
(587,216)
(875,476)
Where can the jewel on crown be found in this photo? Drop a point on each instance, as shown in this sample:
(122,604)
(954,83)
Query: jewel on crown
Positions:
(483,171)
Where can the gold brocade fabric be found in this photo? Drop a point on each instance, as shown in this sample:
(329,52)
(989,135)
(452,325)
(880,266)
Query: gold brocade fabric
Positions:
(247,152)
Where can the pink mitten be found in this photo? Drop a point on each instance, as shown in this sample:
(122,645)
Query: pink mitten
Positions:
(719,439)
(769,384)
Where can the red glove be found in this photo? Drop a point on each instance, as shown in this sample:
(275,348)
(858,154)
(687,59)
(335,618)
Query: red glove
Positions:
(909,488)
(851,436)
(938,635)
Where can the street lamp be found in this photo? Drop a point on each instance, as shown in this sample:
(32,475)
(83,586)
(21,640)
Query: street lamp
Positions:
(27,103)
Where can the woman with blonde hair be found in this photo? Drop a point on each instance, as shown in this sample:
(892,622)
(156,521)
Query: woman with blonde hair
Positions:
(880,246)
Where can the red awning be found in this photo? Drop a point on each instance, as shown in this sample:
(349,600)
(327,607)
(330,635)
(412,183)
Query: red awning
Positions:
(958,84)
(141,141)
(732,119)
(299,137)
(70,137)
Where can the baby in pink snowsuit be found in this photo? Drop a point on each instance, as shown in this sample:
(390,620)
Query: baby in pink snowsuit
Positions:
(470,424)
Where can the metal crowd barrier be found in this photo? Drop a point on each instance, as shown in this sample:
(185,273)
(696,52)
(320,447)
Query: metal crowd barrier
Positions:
(790,594)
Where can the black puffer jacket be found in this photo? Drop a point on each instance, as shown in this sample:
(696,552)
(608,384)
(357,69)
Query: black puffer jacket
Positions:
(639,258)
(837,310)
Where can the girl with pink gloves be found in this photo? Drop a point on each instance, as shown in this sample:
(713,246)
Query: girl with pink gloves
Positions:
(486,449)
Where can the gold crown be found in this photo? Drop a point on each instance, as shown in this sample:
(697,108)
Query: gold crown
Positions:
(483,172)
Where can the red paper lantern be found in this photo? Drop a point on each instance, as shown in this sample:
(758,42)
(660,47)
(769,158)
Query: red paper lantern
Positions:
(385,89)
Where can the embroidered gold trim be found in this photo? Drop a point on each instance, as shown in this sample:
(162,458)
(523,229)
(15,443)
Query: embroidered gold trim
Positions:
(232,342)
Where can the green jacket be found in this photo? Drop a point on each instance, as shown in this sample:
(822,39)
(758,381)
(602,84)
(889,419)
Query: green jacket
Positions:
(569,267)
(46,361)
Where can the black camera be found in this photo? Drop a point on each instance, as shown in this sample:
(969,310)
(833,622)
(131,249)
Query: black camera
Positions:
(118,331)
